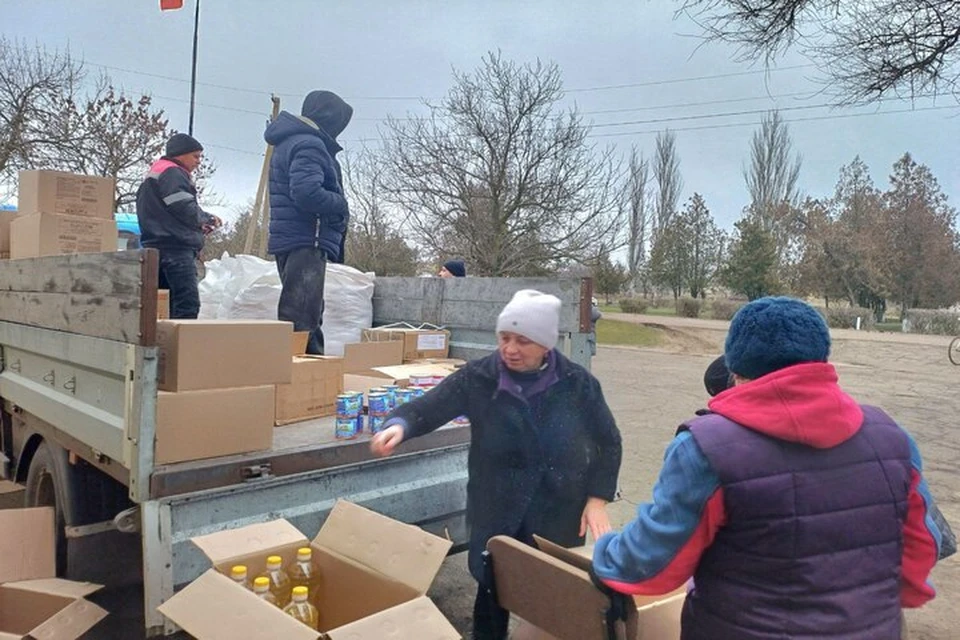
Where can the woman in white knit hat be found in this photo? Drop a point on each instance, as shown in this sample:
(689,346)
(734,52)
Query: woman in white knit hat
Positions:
(544,451)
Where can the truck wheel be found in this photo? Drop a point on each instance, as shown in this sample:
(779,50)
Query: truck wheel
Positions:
(47,487)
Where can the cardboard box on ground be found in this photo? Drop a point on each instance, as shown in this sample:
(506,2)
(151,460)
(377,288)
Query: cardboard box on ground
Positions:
(418,342)
(33,602)
(374,574)
(550,590)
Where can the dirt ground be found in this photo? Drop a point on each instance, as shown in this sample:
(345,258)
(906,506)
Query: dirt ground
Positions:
(651,391)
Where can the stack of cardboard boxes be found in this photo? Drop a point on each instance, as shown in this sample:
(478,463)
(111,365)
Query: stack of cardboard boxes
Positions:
(315,383)
(59,213)
(217,381)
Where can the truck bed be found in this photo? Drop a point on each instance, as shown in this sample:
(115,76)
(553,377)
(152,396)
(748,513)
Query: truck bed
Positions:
(297,448)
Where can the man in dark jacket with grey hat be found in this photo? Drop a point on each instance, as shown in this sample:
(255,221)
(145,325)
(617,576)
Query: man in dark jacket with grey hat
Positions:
(172,222)
(308,211)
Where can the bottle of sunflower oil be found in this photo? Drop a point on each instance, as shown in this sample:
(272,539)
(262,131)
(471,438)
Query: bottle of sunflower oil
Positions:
(304,573)
(238,574)
(279,580)
(261,587)
(301,609)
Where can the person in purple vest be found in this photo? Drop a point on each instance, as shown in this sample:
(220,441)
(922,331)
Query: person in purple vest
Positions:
(798,512)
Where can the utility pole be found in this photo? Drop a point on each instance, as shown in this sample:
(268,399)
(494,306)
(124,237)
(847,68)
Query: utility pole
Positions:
(260,216)
(193,74)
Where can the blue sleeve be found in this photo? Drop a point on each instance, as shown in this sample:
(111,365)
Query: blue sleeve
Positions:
(659,550)
(307,188)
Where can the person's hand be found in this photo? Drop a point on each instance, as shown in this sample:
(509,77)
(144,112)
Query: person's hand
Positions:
(595,518)
(384,443)
(212,225)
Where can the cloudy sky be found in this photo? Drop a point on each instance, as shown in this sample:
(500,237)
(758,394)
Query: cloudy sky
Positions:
(628,65)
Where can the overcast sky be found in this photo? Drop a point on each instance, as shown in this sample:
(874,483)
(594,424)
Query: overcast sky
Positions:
(623,61)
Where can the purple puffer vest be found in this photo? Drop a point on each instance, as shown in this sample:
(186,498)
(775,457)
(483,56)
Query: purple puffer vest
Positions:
(813,541)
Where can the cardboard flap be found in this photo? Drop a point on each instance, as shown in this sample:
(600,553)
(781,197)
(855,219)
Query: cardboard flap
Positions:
(213,607)
(418,618)
(407,370)
(58,587)
(549,593)
(70,622)
(252,539)
(581,557)
(402,552)
(27,544)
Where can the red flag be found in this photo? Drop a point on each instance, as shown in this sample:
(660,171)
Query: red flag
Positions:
(166,5)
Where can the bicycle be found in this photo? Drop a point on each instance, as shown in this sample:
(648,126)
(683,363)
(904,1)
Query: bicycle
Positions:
(953,351)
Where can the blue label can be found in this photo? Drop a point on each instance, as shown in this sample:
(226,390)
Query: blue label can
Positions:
(359,420)
(347,405)
(392,392)
(404,396)
(418,391)
(376,424)
(345,428)
(378,404)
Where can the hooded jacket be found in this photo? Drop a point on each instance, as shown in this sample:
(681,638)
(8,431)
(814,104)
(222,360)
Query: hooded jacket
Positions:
(307,205)
(798,512)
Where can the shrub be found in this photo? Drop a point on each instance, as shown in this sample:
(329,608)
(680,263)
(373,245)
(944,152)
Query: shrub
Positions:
(633,305)
(846,317)
(725,309)
(940,322)
(689,307)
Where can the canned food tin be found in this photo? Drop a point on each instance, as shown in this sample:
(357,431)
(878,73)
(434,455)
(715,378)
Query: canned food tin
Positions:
(348,405)
(417,391)
(420,381)
(378,404)
(392,392)
(359,420)
(345,428)
(376,424)
(404,396)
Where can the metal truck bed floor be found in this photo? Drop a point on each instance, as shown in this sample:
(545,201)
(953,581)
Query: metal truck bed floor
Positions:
(297,448)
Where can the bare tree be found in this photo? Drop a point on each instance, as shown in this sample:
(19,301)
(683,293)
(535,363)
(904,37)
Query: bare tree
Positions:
(666,173)
(500,176)
(866,49)
(772,176)
(374,242)
(636,201)
(36,86)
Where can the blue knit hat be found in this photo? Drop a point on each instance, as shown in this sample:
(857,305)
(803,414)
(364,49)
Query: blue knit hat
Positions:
(457,268)
(775,332)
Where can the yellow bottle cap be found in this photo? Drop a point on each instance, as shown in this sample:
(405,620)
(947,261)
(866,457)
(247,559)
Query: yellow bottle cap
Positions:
(262,581)
(300,591)
(238,571)
(274,560)
(305,551)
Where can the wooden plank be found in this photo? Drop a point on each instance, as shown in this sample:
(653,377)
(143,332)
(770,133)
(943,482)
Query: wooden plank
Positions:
(104,295)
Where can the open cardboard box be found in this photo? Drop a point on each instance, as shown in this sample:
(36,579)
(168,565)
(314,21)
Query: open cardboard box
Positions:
(550,590)
(33,602)
(374,574)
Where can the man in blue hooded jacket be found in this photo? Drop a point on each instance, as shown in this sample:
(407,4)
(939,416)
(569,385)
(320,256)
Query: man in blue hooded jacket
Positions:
(308,211)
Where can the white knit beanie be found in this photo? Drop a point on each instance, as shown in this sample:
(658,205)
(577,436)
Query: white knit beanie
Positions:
(534,315)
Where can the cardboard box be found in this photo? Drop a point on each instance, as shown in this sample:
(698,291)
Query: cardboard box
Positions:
(375,572)
(33,602)
(66,193)
(550,590)
(312,393)
(50,234)
(418,343)
(363,356)
(397,374)
(298,344)
(192,425)
(220,354)
(6,217)
(163,304)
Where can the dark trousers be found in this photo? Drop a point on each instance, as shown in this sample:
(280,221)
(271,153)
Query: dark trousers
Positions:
(490,620)
(178,273)
(302,274)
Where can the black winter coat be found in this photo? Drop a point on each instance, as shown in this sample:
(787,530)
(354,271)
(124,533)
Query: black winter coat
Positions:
(531,470)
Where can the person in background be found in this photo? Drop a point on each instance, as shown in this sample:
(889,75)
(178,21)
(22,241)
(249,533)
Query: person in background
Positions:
(798,512)
(308,210)
(172,222)
(453,269)
(544,448)
(594,316)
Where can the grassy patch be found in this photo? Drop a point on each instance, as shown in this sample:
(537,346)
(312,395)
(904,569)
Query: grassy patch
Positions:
(888,327)
(662,311)
(615,332)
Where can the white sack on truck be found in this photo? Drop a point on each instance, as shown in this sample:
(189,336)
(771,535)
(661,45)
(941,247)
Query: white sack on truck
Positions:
(248,287)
